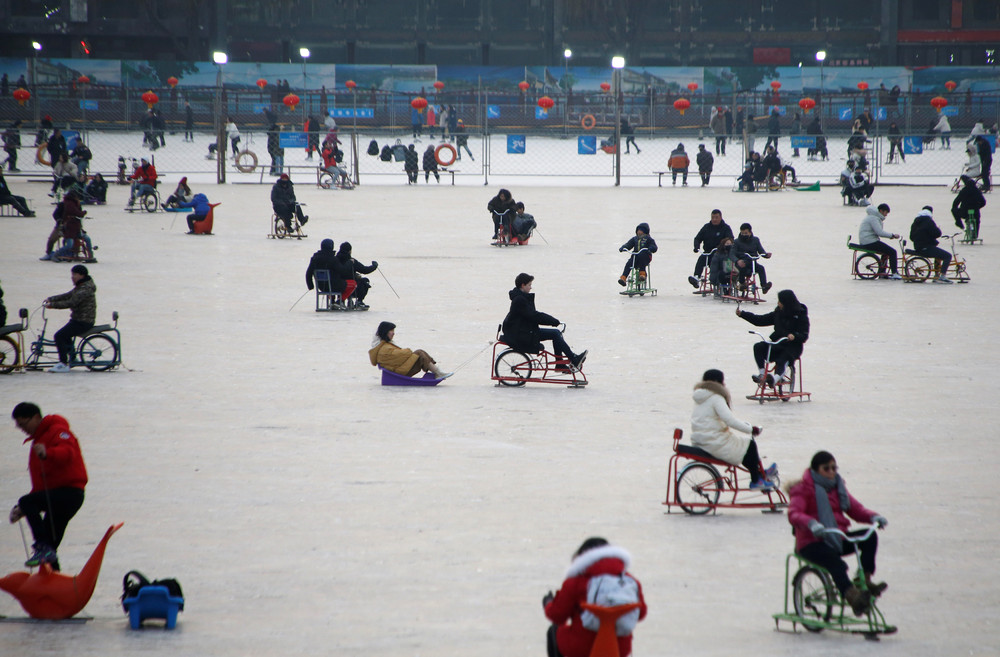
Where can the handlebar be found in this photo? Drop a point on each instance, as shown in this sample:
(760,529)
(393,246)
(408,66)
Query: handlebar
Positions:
(853,539)
(764,339)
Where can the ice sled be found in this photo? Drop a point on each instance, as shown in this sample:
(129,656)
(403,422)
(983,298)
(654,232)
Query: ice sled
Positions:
(390,378)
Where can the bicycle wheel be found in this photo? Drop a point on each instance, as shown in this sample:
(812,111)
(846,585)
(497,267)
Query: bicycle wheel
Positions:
(918,269)
(868,266)
(149,202)
(698,483)
(10,355)
(512,368)
(98,352)
(280,229)
(326,180)
(813,596)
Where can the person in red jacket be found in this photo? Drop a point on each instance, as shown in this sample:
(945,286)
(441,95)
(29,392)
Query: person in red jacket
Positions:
(58,477)
(144,178)
(567,635)
(819,502)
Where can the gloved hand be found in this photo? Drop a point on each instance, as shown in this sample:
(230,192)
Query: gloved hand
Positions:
(880,521)
(696,250)
(15,514)
(622,249)
(755,431)
(817,528)
(546,599)
(375,264)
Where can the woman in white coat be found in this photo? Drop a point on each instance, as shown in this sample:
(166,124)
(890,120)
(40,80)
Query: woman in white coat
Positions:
(945,129)
(712,425)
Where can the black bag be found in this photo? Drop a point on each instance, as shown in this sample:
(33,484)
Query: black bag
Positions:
(130,589)
(386,154)
(373,147)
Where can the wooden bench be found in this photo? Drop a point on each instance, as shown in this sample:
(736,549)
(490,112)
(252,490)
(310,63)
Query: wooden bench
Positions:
(440,170)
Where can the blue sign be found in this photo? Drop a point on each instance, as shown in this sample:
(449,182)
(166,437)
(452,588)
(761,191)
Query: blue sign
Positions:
(349,113)
(993,142)
(260,108)
(71,138)
(293,139)
(586,145)
(949,111)
(881,114)
(541,113)
(780,109)
(88,104)
(493,111)
(515,144)
(913,145)
(845,113)
(799,141)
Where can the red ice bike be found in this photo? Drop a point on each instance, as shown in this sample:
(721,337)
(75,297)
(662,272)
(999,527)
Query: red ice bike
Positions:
(514,368)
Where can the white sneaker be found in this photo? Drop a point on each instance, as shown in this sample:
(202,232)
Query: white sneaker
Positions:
(895,277)
(942,279)
(59,368)
(783,379)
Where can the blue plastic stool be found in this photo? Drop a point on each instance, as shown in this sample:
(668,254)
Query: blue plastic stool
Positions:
(153,602)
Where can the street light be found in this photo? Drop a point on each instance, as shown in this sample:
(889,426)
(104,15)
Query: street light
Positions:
(820,57)
(36,45)
(304,54)
(617,63)
(221,59)
(566,55)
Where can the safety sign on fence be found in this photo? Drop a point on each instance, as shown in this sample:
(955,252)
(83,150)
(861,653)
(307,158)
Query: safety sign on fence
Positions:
(88,104)
(586,145)
(350,113)
(541,113)
(293,140)
(493,111)
(515,144)
(799,141)
(913,145)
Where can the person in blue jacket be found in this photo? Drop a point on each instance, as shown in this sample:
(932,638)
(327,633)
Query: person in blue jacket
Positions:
(199,203)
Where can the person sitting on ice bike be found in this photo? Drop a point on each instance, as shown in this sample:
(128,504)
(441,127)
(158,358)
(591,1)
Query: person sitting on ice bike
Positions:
(790,321)
(708,238)
(502,208)
(747,244)
(721,266)
(924,233)
(521,325)
(819,502)
(712,424)
(642,246)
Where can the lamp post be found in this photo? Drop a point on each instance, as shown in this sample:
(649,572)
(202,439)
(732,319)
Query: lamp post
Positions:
(566,55)
(617,64)
(36,48)
(220,58)
(821,57)
(304,54)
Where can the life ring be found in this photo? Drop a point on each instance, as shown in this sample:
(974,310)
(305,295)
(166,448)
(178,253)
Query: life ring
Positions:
(41,153)
(437,155)
(588,122)
(243,168)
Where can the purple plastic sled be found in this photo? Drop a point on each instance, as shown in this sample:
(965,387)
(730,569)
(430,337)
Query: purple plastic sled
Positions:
(392,379)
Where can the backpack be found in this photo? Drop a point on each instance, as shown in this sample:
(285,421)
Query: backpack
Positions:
(373,147)
(386,154)
(612,591)
(130,589)
(399,152)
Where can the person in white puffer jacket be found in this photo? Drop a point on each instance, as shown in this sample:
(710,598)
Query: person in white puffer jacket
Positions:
(712,425)
(871,230)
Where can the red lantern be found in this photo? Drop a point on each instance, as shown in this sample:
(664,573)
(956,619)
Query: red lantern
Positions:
(351,84)
(863,86)
(546,103)
(939,102)
(950,85)
(22,96)
(83,79)
(418,103)
(523,86)
(692,87)
(150,99)
(775,85)
(172,81)
(261,83)
(681,104)
(290,101)
(439,85)
(605,86)
(807,104)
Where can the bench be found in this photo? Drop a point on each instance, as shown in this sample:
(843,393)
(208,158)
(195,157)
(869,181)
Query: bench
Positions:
(659,177)
(440,170)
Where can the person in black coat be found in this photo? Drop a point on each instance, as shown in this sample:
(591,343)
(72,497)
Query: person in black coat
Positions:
(284,204)
(790,321)
(628,132)
(895,142)
(188,122)
(12,142)
(773,129)
(521,325)
(356,268)
(642,246)
(56,146)
(341,277)
(924,233)
(706,162)
(986,158)
(503,208)
(9,198)
(274,149)
(708,238)
(969,199)
(816,130)
(411,164)
(430,165)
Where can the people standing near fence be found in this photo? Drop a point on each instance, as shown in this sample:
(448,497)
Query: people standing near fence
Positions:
(233,133)
(417,122)
(312,129)
(943,127)
(188,122)
(749,133)
(462,141)
(895,142)
(628,132)
(44,125)
(12,142)
(56,146)
(452,122)
(986,159)
(81,157)
(274,150)
(411,164)
(718,125)
(431,121)
(705,162)
(796,130)
(159,127)
(430,164)
(773,129)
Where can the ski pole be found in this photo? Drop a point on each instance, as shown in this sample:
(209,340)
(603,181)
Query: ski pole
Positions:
(24,539)
(299,299)
(542,236)
(388,283)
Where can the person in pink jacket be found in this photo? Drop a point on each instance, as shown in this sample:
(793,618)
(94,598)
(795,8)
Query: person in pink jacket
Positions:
(820,501)
(568,636)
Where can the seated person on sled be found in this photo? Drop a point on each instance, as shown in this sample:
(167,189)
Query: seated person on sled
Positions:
(407,362)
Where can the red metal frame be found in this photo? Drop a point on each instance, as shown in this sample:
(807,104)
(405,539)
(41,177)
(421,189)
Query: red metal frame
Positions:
(544,362)
(779,393)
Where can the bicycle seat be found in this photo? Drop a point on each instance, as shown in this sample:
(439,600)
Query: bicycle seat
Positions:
(11,328)
(98,329)
(698,453)
(910,252)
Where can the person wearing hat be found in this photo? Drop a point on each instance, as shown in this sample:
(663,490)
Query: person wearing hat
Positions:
(284,204)
(58,478)
(354,270)
(82,302)
(642,246)
(341,275)
(462,140)
(143,181)
(72,228)
(394,358)
(969,199)
(679,163)
(790,321)
(182,194)
(200,208)
(706,162)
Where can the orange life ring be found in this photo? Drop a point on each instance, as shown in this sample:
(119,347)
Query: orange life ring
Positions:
(588,122)
(41,154)
(437,155)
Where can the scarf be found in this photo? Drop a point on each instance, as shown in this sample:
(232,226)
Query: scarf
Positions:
(823,486)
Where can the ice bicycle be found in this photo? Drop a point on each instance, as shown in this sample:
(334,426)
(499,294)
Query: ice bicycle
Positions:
(639,282)
(696,486)
(99,349)
(785,388)
(514,368)
(816,603)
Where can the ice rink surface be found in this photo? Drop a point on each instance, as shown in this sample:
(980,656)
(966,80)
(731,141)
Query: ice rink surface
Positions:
(252,454)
